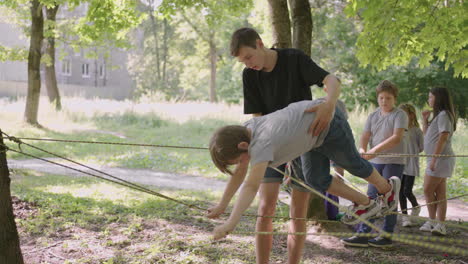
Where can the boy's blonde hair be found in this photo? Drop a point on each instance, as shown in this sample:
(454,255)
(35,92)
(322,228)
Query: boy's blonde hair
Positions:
(387,86)
(411,112)
(224,146)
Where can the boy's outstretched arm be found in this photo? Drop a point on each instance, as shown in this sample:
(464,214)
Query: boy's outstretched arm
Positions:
(246,196)
(231,188)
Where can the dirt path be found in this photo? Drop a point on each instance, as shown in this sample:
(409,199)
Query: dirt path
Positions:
(457,210)
(138,176)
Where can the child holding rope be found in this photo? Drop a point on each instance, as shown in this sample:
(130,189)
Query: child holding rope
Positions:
(281,136)
(414,141)
(384,131)
(437,140)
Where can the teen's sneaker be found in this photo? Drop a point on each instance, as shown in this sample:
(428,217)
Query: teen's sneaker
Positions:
(355,241)
(406,221)
(380,242)
(439,230)
(390,199)
(415,211)
(426,227)
(363,211)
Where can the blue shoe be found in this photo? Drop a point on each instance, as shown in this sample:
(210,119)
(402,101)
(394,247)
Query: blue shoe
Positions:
(355,241)
(380,242)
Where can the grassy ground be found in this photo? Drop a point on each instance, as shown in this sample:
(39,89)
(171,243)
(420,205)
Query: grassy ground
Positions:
(82,220)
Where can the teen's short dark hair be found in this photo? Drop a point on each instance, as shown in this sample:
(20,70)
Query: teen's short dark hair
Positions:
(243,37)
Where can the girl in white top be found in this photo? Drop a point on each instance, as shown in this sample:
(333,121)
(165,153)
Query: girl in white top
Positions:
(414,140)
(437,140)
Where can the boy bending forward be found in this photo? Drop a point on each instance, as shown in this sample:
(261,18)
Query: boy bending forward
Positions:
(276,138)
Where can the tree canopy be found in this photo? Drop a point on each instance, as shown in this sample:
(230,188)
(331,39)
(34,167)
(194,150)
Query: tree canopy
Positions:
(394,32)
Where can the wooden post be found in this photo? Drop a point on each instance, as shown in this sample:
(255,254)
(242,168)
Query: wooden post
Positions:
(10,251)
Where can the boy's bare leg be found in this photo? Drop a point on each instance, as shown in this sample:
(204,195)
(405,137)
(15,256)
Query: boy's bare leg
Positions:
(267,206)
(298,209)
(339,188)
(379,182)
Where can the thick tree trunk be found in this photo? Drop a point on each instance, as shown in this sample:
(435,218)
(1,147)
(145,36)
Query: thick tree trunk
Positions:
(10,251)
(50,77)
(34,61)
(281,23)
(213,61)
(282,39)
(302,25)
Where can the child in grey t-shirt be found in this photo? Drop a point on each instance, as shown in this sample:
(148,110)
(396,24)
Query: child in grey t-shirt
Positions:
(414,141)
(437,140)
(384,132)
(279,137)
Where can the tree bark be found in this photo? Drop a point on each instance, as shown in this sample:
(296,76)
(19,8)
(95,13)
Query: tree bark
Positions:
(154,30)
(282,39)
(34,61)
(213,62)
(50,77)
(281,24)
(302,25)
(10,251)
(165,53)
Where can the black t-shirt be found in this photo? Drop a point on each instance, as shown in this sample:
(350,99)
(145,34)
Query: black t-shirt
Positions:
(288,82)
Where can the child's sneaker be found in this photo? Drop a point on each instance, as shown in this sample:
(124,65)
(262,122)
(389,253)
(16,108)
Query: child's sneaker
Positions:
(355,241)
(439,230)
(380,242)
(406,221)
(364,211)
(426,227)
(390,199)
(415,211)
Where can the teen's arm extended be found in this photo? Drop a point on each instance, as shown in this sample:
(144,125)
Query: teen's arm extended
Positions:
(363,142)
(325,111)
(389,143)
(246,196)
(443,137)
(231,188)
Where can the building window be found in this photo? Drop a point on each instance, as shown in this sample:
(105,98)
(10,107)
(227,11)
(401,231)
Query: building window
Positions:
(85,70)
(102,71)
(66,67)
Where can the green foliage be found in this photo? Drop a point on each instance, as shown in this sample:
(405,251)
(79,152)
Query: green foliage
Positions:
(395,32)
(333,32)
(13,54)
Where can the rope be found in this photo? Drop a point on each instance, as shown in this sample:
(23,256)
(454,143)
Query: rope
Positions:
(103,142)
(122,182)
(205,148)
(401,238)
(139,187)
(398,238)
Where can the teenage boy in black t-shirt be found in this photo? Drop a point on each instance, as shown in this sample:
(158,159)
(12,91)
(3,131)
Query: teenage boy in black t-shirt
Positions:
(272,79)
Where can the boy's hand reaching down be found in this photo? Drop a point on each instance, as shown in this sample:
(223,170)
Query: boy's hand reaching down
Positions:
(221,231)
(215,211)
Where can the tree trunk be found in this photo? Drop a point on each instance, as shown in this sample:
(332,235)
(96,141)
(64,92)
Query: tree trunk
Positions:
(10,251)
(34,61)
(165,53)
(282,39)
(50,77)
(302,25)
(154,30)
(281,24)
(213,61)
